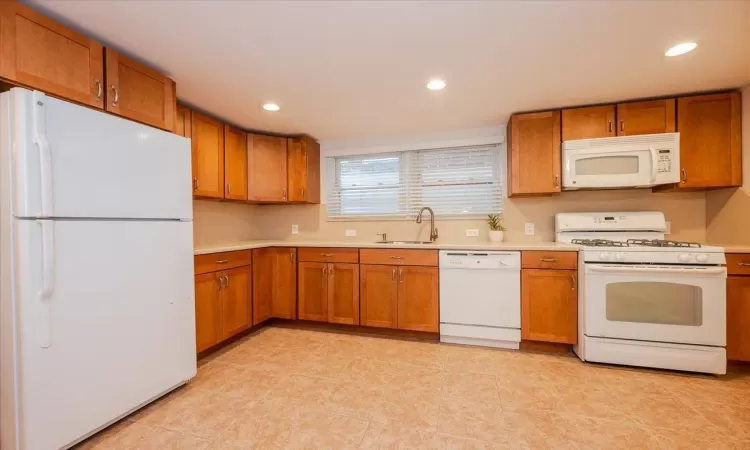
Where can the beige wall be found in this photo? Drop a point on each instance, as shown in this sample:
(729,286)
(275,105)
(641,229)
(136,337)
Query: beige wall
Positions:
(218,223)
(728,210)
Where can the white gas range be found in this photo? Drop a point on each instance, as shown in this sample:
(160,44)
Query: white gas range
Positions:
(644,301)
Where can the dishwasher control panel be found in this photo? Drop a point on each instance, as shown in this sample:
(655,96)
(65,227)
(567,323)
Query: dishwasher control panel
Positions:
(479,260)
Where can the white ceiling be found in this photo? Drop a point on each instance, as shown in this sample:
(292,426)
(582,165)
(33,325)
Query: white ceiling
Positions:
(358,69)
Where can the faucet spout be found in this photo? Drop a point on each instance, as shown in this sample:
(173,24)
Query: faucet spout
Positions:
(433,230)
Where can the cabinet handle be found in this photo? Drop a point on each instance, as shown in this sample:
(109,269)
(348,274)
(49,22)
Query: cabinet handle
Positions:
(291,256)
(684,175)
(226,281)
(397,257)
(229,189)
(327,255)
(302,192)
(575,282)
(330,271)
(622,125)
(220,280)
(393,275)
(195,184)
(283,193)
(117,96)
(99,88)
(400,275)
(610,126)
(548,259)
(324,271)
(222,261)
(743,264)
(557,180)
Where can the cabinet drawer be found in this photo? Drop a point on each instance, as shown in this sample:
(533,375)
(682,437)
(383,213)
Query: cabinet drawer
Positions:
(399,257)
(549,260)
(220,261)
(329,254)
(738,263)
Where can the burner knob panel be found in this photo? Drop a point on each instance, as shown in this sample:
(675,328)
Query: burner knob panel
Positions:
(684,257)
(701,258)
(604,256)
(620,256)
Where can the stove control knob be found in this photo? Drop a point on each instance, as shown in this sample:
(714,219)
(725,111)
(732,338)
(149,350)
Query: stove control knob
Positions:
(620,256)
(684,257)
(701,258)
(604,256)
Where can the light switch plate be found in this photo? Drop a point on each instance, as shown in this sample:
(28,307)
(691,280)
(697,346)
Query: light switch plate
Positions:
(472,232)
(529,229)
(350,233)
(669,228)
(295,229)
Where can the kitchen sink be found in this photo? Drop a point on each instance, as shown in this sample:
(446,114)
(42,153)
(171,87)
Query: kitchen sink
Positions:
(406,242)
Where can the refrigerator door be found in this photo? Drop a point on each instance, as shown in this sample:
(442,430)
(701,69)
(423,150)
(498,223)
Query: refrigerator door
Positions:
(106,322)
(72,161)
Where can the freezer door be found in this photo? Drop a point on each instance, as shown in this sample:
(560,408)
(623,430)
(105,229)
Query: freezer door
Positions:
(105,322)
(72,161)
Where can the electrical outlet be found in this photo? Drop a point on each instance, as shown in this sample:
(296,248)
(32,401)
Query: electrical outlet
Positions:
(295,229)
(669,228)
(529,229)
(472,232)
(350,233)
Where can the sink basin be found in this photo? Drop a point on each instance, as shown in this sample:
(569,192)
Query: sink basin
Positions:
(405,242)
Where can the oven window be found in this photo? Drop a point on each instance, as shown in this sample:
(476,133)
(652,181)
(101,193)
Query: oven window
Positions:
(656,303)
(607,165)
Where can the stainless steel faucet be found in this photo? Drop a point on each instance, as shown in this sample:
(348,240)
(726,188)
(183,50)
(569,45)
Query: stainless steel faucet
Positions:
(433,230)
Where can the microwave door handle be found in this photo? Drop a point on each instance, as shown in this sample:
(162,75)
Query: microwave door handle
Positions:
(654,163)
(660,270)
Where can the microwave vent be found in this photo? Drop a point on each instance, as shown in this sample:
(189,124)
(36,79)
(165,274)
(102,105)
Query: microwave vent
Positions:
(623,141)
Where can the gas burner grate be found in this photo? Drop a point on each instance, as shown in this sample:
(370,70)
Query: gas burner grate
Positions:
(663,243)
(599,243)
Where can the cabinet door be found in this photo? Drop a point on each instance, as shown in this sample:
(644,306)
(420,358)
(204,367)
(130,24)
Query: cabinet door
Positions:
(235,163)
(649,117)
(263,284)
(378,300)
(313,291)
(343,293)
(207,311)
(284,299)
(418,298)
(738,318)
(534,154)
(710,140)
(236,301)
(38,52)
(549,305)
(588,123)
(183,121)
(137,92)
(208,156)
(303,170)
(266,168)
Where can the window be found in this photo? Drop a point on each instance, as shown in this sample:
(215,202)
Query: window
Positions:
(462,182)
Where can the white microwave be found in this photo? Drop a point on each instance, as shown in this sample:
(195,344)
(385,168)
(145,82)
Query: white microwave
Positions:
(621,162)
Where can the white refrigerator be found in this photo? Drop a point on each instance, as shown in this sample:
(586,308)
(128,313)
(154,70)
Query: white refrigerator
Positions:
(97,310)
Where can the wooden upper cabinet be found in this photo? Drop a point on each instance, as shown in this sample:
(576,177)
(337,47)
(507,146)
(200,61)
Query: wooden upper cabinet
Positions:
(284,298)
(38,52)
(378,301)
(588,123)
(738,318)
(207,311)
(313,291)
(649,117)
(208,156)
(235,163)
(266,168)
(137,92)
(183,121)
(549,305)
(710,140)
(418,299)
(236,300)
(263,283)
(343,293)
(303,162)
(534,154)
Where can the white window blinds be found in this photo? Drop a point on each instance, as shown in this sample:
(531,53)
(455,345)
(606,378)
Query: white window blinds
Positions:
(461,182)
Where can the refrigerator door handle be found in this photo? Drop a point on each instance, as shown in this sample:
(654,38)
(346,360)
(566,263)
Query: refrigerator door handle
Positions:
(48,282)
(45,155)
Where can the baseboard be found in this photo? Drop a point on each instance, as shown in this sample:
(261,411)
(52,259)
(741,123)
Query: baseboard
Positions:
(546,347)
(353,329)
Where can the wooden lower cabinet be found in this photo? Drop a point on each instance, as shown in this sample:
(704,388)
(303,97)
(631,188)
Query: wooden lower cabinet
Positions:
(343,293)
(738,318)
(378,291)
(418,299)
(207,311)
(236,301)
(222,305)
(313,291)
(274,284)
(262,284)
(549,305)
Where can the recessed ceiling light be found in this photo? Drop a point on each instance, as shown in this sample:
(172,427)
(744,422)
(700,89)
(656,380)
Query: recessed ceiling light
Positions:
(681,49)
(271,107)
(436,85)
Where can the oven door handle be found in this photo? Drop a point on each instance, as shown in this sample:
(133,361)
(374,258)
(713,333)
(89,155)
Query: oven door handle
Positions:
(658,270)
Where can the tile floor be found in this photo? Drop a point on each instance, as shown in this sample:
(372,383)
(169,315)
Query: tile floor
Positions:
(289,388)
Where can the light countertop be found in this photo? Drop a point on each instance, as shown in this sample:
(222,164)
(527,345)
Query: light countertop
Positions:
(487,246)
(734,248)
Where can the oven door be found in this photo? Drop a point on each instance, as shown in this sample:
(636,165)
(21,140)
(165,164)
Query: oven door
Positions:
(609,169)
(678,304)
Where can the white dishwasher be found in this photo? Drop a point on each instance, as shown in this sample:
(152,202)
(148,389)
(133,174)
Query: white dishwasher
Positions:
(480,298)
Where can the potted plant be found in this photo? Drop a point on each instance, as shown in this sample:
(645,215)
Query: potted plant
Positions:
(497,231)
